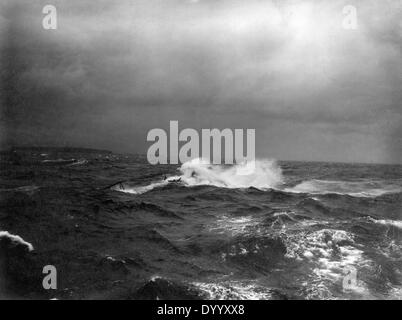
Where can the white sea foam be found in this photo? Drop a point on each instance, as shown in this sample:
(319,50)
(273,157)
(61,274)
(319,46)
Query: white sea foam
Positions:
(233,226)
(57,160)
(388,222)
(138,189)
(78,162)
(234,290)
(16,239)
(352,188)
(266,174)
(332,253)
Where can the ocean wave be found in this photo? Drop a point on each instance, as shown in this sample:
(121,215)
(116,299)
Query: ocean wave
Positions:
(317,244)
(351,188)
(24,189)
(259,174)
(237,290)
(332,254)
(78,162)
(68,162)
(234,225)
(388,222)
(62,161)
(262,174)
(123,187)
(16,240)
(159,288)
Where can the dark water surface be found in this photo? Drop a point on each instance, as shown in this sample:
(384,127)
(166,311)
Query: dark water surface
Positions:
(116,227)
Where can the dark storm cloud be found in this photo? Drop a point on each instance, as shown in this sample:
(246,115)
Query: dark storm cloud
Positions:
(113,71)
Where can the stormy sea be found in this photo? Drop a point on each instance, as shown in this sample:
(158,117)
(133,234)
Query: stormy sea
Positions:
(116,227)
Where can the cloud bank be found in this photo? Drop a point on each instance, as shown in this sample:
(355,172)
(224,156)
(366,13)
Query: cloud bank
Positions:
(113,71)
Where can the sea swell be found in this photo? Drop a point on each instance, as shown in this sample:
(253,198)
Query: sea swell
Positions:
(263,175)
(117,227)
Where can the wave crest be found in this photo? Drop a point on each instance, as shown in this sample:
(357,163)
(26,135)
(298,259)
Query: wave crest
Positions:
(258,174)
(352,188)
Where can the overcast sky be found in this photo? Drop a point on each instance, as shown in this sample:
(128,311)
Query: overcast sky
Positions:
(113,70)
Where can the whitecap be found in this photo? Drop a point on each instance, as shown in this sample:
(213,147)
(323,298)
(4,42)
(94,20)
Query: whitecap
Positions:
(233,226)
(16,239)
(363,188)
(234,290)
(138,189)
(388,222)
(261,174)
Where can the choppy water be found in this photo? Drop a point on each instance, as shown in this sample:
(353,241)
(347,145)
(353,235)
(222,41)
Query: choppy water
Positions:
(116,227)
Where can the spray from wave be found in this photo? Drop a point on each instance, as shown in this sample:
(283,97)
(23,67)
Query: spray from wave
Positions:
(259,174)
(262,174)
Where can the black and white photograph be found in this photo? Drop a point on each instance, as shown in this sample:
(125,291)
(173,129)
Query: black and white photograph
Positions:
(201,150)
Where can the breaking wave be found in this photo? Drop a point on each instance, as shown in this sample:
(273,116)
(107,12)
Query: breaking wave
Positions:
(258,174)
(388,222)
(352,188)
(122,187)
(261,174)
(16,240)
